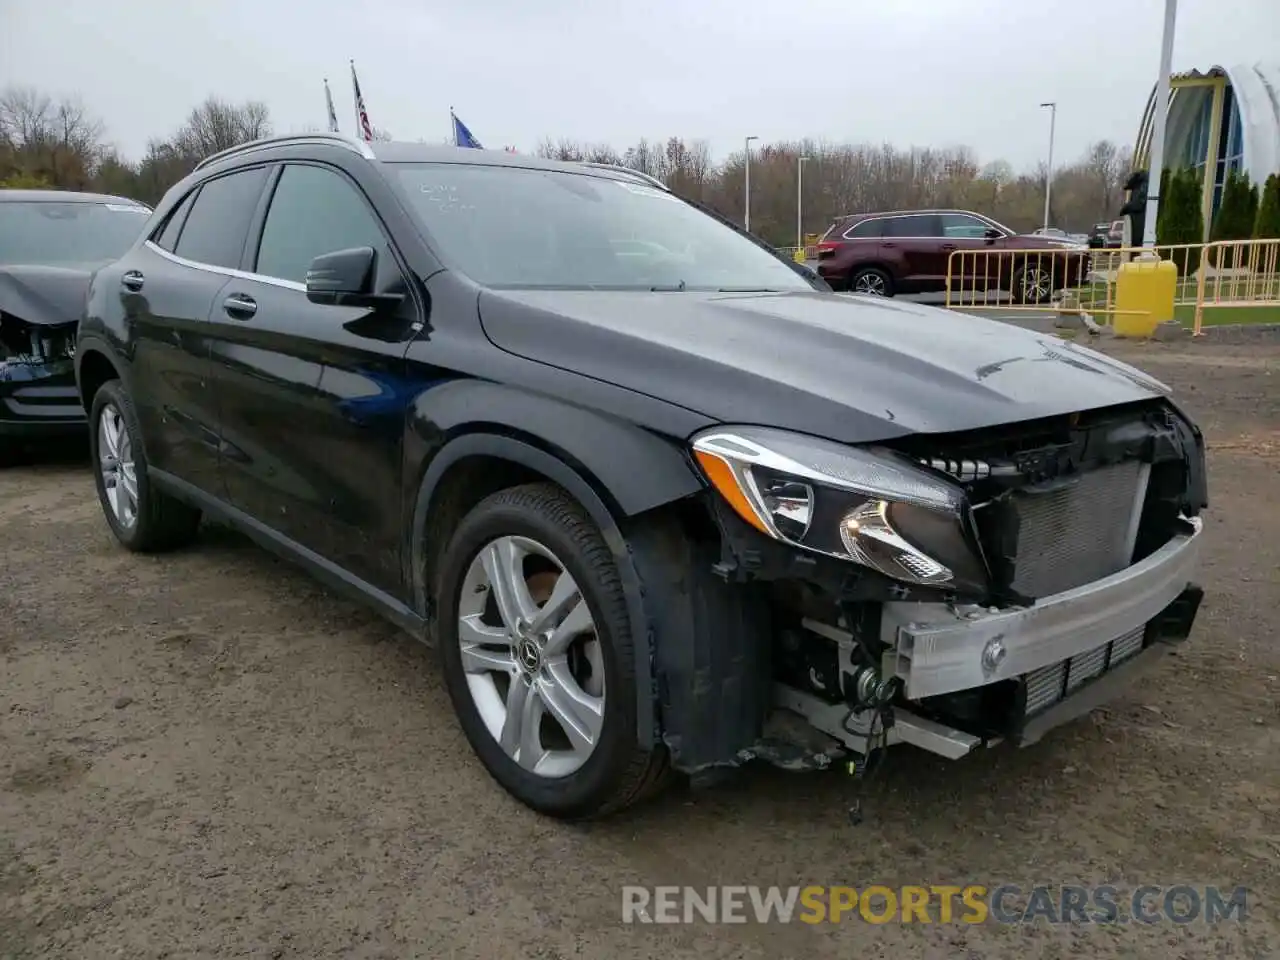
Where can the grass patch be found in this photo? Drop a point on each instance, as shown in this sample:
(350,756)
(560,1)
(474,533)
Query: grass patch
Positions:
(1220,316)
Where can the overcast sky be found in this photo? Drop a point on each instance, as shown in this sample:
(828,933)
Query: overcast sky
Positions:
(926,72)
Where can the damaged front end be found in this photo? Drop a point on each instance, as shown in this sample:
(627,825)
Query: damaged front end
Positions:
(38,394)
(950,591)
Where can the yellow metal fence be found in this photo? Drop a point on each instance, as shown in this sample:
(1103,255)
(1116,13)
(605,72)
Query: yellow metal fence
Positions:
(1227,273)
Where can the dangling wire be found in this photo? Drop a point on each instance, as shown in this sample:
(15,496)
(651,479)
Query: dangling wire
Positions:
(864,770)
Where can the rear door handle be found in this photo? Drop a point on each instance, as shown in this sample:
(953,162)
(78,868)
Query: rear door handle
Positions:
(240,306)
(132,280)
(947,246)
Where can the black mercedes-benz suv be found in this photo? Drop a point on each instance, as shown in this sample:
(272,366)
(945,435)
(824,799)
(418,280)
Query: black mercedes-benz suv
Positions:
(661,500)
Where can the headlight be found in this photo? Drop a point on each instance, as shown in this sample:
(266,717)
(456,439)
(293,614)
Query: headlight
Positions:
(873,507)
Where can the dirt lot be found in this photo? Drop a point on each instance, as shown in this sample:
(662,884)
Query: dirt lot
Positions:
(206,755)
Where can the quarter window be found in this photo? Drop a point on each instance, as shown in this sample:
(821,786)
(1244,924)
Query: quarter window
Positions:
(315,211)
(167,238)
(865,229)
(218,223)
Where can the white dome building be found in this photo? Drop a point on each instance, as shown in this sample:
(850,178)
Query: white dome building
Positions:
(1219,120)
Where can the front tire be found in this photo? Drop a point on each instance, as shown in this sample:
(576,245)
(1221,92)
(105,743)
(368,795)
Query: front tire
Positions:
(537,652)
(142,518)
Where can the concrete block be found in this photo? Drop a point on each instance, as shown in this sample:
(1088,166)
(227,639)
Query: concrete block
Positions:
(1170,330)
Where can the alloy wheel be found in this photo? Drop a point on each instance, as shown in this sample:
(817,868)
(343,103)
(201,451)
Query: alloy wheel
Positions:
(116,465)
(1036,285)
(869,283)
(532,656)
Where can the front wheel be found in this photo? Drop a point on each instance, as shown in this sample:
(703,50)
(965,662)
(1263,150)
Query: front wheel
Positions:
(142,518)
(871,281)
(537,652)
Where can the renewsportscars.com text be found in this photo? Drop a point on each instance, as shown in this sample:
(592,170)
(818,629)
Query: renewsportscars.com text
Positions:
(971,903)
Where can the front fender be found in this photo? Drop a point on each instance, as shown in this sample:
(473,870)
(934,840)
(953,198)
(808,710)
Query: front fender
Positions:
(633,469)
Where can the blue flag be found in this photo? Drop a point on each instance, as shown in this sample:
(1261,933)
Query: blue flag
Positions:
(462,136)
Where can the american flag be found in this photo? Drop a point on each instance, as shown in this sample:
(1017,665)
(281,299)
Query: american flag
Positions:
(363,126)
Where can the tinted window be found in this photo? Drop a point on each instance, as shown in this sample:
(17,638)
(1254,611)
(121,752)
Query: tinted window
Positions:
(61,233)
(865,229)
(167,238)
(315,211)
(963,226)
(921,225)
(520,227)
(216,228)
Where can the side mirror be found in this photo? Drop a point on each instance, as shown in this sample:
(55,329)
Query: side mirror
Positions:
(346,278)
(991,233)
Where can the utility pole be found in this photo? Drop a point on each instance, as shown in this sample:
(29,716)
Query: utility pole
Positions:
(1048,177)
(746,220)
(1162,114)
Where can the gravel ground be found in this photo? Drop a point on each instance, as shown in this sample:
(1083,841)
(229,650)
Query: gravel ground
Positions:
(206,755)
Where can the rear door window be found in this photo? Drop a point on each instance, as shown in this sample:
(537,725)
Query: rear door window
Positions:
(914,225)
(218,223)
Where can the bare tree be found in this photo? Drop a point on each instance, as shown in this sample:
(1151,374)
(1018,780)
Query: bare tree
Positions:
(217,125)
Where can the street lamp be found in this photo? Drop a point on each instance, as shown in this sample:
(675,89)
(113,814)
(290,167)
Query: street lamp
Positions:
(1157,139)
(746,220)
(1048,178)
(800,162)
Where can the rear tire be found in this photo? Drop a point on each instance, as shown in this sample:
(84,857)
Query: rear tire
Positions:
(143,518)
(538,530)
(871,281)
(1031,285)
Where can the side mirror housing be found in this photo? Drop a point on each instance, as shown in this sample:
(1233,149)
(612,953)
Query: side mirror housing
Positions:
(991,233)
(345,278)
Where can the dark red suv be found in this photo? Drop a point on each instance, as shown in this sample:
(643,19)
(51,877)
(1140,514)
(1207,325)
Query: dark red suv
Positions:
(908,251)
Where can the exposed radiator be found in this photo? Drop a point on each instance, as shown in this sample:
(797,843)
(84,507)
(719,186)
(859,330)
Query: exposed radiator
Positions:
(1080,532)
(1048,685)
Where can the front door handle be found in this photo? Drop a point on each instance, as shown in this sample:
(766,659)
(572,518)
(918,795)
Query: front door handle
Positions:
(132,280)
(240,306)
(947,246)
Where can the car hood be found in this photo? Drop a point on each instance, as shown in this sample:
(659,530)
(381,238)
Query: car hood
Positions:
(42,294)
(850,368)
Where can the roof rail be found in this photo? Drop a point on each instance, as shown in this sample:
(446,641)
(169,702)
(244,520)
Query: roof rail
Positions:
(336,139)
(619,168)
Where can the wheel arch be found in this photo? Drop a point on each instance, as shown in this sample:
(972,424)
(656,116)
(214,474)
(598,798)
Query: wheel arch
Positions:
(477,463)
(96,363)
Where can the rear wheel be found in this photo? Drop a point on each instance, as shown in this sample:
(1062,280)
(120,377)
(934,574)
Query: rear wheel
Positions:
(143,518)
(536,647)
(872,281)
(1032,283)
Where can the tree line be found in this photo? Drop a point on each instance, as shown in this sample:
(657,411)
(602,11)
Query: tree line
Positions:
(56,142)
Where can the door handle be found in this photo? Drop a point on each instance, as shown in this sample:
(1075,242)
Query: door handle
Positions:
(132,280)
(947,246)
(239,306)
(888,244)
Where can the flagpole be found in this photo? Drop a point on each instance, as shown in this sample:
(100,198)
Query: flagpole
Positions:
(453,127)
(355,99)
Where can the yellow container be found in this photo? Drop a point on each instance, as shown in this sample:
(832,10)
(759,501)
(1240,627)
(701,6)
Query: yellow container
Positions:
(1145,291)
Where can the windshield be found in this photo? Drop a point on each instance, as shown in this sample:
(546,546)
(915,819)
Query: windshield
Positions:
(60,232)
(514,227)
